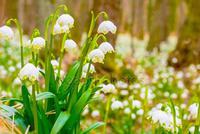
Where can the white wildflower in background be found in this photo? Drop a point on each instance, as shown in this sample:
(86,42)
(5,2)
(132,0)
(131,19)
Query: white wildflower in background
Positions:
(193,109)
(95,113)
(116,105)
(54,63)
(106,47)
(121,84)
(70,45)
(140,112)
(29,72)
(109,88)
(107,26)
(124,92)
(96,55)
(6,33)
(136,104)
(192,130)
(133,116)
(127,110)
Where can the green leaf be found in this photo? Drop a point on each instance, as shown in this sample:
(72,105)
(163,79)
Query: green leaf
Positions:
(77,109)
(69,78)
(45,95)
(28,115)
(43,123)
(60,122)
(92,127)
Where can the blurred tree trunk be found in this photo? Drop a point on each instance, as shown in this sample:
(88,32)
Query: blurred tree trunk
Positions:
(139,18)
(161,20)
(188,47)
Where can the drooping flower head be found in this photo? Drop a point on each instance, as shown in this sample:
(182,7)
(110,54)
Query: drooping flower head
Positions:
(70,45)
(63,24)
(6,33)
(65,20)
(54,63)
(96,55)
(85,69)
(107,26)
(29,72)
(106,47)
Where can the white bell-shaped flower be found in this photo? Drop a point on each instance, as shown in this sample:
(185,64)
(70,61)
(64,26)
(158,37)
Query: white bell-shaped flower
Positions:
(96,55)
(193,109)
(86,66)
(66,20)
(6,33)
(37,43)
(116,105)
(29,72)
(107,26)
(70,45)
(54,63)
(109,88)
(106,47)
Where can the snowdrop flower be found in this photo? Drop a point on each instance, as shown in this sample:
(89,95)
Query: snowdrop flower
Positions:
(70,45)
(106,47)
(121,84)
(85,69)
(127,110)
(86,66)
(116,105)
(109,88)
(6,33)
(17,81)
(192,129)
(125,103)
(133,116)
(136,103)
(96,55)
(124,92)
(36,44)
(140,112)
(54,63)
(29,72)
(57,29)
(65,20)
(95,113)
(107,26)
(193,109)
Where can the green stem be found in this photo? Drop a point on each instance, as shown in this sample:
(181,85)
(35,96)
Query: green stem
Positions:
(197,121)
(35,110)
(174,114)
(61,55)
(145,109)
(106,114)
(19,27)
